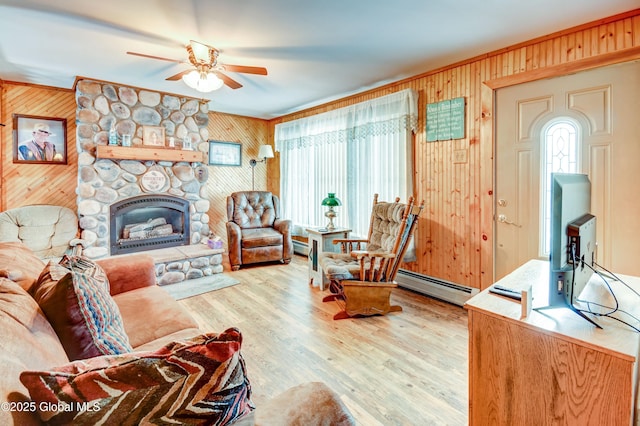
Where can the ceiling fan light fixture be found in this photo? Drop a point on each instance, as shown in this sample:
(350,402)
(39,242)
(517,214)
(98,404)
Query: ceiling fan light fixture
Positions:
(202,81)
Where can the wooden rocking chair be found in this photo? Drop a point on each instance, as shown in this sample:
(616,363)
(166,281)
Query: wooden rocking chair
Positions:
(362,280)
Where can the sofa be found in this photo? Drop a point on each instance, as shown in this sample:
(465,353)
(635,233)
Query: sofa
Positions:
(37,364)
(255,230)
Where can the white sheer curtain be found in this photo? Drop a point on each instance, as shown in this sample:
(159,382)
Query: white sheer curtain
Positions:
(353,152)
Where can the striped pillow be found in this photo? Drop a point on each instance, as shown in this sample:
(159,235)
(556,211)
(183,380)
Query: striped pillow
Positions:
(77,303)
(199,381)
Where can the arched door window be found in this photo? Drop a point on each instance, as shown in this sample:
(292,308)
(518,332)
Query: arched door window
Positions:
(560,141)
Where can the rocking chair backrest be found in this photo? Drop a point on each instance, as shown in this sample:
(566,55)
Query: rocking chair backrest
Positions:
(390,230)
(384,229)
(412,214)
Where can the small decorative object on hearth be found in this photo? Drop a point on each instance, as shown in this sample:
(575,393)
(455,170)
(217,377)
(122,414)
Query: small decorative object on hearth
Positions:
(331,201)
(215,242)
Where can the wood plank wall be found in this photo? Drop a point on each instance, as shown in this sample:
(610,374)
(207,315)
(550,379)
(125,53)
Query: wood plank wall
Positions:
(455,235)
(223,180)
(24,184)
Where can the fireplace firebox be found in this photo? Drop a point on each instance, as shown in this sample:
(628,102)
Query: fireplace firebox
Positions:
(148,222)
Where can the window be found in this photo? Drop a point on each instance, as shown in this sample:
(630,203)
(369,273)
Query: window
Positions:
(353,152)
(561,140)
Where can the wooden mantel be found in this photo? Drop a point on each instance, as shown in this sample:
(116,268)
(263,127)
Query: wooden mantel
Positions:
(157,154)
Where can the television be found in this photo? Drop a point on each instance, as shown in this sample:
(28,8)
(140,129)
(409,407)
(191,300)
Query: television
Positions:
(573,240)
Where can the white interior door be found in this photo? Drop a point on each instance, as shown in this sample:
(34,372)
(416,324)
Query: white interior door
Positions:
(603,104)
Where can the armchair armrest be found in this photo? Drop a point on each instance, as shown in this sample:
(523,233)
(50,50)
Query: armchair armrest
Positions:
(127,273)
(364,284)
(234,237)
(379,262)
(349,244)
(359,254)
(284,227)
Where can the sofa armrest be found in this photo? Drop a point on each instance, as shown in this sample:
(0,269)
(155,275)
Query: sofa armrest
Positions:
(129,272)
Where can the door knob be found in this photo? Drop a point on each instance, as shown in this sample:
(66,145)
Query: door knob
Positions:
(503,219)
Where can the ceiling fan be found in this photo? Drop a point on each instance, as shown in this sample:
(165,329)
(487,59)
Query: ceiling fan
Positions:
(206,74)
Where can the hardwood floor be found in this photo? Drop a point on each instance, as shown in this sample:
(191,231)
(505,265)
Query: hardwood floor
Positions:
(406,368)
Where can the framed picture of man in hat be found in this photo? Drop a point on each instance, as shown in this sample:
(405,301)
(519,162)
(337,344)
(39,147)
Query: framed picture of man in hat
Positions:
(39,140)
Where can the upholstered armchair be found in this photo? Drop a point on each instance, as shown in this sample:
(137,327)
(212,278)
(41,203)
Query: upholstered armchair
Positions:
(49,231)
(255,231)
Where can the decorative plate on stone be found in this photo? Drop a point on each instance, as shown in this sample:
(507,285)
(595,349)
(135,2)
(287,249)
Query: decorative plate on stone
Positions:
(154,180)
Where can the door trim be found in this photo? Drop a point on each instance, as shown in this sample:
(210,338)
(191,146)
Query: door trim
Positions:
(488,138)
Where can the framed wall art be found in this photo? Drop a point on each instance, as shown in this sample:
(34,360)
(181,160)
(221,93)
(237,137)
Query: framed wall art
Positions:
(39,140)
(153,136)
(225,153)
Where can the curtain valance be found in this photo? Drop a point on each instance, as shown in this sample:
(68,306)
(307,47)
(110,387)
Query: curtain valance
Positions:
(390,114)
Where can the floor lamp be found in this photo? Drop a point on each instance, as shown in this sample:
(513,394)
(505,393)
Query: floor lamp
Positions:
(265,152)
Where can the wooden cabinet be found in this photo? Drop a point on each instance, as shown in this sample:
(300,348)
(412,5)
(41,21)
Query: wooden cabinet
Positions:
(552,367)
(322,241)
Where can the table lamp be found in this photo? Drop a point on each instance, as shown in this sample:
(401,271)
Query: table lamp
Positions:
(331,201)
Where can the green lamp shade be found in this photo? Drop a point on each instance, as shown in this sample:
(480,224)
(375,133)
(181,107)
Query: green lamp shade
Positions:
(331,201)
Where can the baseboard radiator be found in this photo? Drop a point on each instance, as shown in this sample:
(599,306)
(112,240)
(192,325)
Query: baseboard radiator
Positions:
(301,248)
(435,287)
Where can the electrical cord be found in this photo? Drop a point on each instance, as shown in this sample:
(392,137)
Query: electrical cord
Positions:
(615,309)
(608,315)
(574,262)
(616,278)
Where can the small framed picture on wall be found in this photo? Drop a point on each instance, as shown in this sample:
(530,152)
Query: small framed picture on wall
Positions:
(225,153)
(39,140)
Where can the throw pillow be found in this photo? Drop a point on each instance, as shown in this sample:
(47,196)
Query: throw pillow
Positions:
(77,303)
(199,381)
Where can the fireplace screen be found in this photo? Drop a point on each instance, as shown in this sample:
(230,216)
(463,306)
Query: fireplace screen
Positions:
(149,222)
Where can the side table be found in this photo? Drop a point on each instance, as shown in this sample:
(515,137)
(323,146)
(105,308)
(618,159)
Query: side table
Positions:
(320,241)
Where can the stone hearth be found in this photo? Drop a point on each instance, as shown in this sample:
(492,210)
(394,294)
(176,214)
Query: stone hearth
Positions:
(177,264)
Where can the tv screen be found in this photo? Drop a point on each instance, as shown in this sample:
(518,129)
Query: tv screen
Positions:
(573,239)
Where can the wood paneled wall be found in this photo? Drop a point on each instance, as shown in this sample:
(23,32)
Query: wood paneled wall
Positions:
(24,184)
(223,180)
(455,178)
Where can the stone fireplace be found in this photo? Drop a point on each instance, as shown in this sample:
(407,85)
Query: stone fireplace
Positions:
(149,222)
(118,183)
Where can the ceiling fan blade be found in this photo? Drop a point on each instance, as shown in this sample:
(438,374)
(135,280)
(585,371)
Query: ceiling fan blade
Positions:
(178,76)
(229,81)
(245,69)
(154,57)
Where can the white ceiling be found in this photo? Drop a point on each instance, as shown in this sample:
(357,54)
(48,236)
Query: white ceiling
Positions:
(315,50)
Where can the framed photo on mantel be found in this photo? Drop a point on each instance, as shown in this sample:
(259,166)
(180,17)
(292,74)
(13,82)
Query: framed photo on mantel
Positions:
(153,136)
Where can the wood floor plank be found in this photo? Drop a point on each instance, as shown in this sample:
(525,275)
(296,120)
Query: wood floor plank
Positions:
(406,368)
